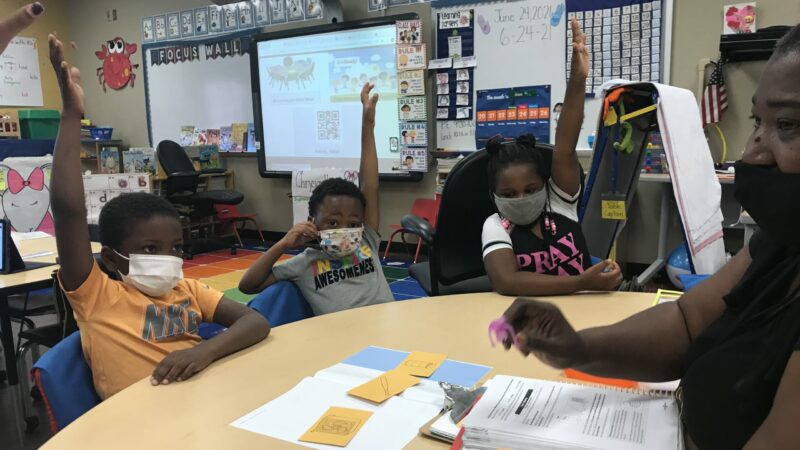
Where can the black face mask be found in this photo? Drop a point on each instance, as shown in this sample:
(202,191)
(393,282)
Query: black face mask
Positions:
(772,198)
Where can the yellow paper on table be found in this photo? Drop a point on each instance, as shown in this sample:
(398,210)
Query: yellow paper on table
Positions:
(384,386)
(337,426)
(421,364)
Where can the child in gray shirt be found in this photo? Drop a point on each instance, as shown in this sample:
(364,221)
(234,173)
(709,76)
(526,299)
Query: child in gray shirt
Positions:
(346,272)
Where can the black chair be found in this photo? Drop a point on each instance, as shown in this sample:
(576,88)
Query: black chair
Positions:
(455,263)
(455,260)
(181,189)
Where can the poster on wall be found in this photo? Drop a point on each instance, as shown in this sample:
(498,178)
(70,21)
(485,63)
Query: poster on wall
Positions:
(376,5)
(412,108)
(148,31)
(294,9)
(313,9)
(414,134)
(201,21)
(187,23)
(277,11)
(215,19)
(173,26)
(230,21)
(413,160)
(411,57)
(160,27)
(411,82)
(22,85)
(513,112)
(262,13)
(739,18)
(245,15)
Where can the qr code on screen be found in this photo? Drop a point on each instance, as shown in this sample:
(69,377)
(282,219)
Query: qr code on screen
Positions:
(327,125)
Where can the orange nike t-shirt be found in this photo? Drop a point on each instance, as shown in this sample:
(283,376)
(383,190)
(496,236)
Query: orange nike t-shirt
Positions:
(125,333)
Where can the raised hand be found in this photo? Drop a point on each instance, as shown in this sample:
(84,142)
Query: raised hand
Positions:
(21,19)
(368,103)
(580,53)
(543,330)
(69,80)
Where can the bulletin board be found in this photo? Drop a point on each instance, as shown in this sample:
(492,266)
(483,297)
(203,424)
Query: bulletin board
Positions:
(524,43)
(200,82)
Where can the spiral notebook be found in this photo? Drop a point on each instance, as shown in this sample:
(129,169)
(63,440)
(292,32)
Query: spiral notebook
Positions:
(519,413)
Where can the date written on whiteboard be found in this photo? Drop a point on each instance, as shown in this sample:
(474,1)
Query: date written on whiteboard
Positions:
(522,24)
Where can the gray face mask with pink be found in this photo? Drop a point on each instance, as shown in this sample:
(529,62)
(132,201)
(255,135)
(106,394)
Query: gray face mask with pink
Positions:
(523,210)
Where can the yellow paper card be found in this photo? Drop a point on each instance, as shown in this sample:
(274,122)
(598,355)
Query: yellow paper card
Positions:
(337,426)
(386,385)
(421,364)
(613,209)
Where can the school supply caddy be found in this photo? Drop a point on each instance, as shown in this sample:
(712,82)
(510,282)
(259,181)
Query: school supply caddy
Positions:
(524,413)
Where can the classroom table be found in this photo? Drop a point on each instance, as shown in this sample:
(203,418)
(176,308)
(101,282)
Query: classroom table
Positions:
(41,250)
(197,413)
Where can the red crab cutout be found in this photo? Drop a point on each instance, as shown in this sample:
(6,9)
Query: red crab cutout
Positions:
(117,69)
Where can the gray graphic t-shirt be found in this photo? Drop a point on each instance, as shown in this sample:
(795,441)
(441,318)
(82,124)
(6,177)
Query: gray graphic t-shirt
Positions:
(331,284)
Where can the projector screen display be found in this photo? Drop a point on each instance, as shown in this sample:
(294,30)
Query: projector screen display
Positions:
(309,96)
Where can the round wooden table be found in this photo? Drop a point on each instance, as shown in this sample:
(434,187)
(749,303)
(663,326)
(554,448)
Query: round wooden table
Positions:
(196,413)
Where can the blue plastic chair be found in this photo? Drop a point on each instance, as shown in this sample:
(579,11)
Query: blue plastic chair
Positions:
(65,381)
(281,303)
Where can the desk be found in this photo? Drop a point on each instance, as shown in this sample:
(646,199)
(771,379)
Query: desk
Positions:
(196,413)
(663,222)
(15,283)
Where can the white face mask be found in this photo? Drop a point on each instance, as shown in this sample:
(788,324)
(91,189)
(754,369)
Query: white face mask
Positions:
(153,275)
(340,242)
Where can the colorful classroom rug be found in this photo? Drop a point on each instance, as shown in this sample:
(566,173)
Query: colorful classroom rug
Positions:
(222,271)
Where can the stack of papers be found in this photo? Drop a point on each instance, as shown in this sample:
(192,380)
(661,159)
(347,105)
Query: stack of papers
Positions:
(522,413)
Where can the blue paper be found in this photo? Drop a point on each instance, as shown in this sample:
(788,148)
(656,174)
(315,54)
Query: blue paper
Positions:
(453,372)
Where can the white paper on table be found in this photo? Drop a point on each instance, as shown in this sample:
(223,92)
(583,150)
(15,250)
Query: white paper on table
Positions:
(18,237)
(393,424)
(572,416)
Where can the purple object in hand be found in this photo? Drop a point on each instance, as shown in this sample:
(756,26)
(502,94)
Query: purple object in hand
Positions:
(501,331)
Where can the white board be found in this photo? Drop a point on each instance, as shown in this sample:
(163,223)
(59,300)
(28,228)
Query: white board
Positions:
(509,55)
(20,82)
(205,92)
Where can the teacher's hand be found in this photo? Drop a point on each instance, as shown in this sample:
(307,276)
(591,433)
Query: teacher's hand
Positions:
(542,330)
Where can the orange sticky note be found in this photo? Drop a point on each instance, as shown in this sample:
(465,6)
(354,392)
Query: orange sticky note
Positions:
(421,364)
(384,386)
(336,427)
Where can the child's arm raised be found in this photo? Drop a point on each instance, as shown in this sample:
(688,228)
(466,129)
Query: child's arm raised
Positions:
(368,173)
(565,159)
(66,186)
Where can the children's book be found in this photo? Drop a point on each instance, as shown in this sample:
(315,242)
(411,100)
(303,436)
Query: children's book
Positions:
(251,138)
(212,136)
(109,160)
(209,157)
(187,135)
(149,159)
(133,161)
(199,137)
(238,137)
(225,143)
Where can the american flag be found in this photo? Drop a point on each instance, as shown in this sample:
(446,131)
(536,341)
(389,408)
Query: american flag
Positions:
(715,99)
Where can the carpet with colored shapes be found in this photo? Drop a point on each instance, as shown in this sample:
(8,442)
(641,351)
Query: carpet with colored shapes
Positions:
(222,271)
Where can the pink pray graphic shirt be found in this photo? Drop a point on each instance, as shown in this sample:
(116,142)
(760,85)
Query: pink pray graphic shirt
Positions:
(562,253)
